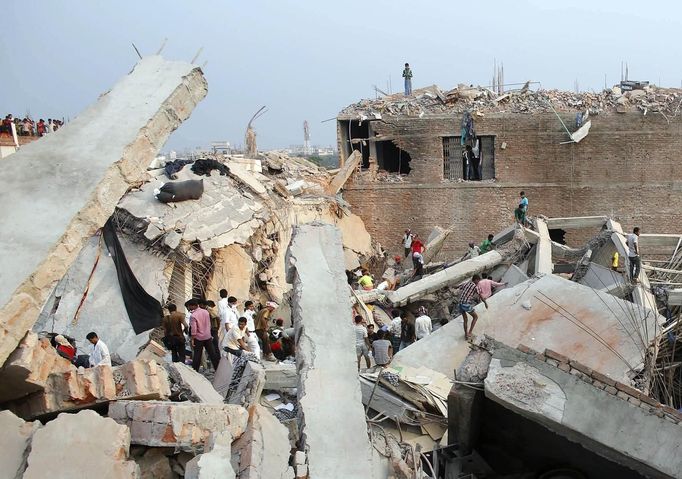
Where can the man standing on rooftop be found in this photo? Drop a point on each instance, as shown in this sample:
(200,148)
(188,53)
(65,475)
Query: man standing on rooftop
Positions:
(407,75)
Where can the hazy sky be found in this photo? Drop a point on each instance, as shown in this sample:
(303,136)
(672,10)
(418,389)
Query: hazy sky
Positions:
(309,59)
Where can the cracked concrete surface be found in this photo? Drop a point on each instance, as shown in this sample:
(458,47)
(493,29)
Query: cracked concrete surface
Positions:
(333,428)
(78,174)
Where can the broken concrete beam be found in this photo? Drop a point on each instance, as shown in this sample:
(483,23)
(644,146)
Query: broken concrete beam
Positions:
(182,425)
(263,451)
(349,166)
(613,225)
(280,376)
(675,297)
(626,433)
(247,178)
(543,251)
(28,368)
(435,244)
(449,276)
(328,390)
(74,443)
(188,384)
(576,222)
(80,388)
(246,385)
(15,444)
(214,463)
(96,169)
(659,241)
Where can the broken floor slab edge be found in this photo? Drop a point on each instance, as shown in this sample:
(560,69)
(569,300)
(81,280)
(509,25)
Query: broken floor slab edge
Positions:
(26,301)
(505,353)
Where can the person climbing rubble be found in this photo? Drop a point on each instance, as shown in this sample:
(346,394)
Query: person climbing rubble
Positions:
(361,342)
(262,323)
(236,338)
(521,212)
(99,355)
(422,324)
(472,252)
(485,287)
(467,301)
(486,244)
(366,282)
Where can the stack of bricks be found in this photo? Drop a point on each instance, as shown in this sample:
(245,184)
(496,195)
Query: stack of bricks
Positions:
(605,383)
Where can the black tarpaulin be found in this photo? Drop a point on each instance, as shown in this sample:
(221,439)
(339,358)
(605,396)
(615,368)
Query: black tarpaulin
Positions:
(143,310)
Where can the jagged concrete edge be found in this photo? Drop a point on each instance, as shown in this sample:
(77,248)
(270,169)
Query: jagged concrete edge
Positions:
(20,313)
(305,357)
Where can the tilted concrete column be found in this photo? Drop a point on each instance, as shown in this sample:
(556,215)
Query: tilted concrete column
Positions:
(78,174)
(333,427)
(543,250)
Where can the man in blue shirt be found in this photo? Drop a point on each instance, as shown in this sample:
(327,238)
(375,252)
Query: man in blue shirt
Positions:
(521,212)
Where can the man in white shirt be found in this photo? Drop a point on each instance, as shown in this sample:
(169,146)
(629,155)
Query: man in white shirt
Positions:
(395,330)
(633,255)
(99,356)
(223,306)
(249,314)
(361,342)
(422,325)
(235,340)
(407,242)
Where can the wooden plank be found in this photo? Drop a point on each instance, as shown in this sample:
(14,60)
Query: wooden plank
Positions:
(344,173)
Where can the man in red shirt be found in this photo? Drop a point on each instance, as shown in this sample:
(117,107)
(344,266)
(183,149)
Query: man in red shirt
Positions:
(200,325)
(417,247)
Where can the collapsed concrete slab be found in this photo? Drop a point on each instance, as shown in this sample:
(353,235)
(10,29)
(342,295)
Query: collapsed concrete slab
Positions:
(79,388)
(577,222)
(15,443)
(74,443)
(605,333)
(96,165)
(333,428)
(605,280)
(190,385)
(280,376)
(571,400)
(182,425)
(263,451)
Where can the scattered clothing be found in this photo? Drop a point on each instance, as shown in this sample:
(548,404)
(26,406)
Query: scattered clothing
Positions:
(204,167)
(64,348)
(173,167)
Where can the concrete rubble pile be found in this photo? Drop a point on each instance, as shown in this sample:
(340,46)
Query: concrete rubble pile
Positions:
(168,420)
(590,323)
(481,100)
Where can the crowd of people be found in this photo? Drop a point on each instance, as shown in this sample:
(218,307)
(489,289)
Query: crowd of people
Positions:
(29,127)
(223,329)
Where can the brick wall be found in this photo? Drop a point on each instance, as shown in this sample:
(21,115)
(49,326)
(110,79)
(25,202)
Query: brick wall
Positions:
(627,167)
